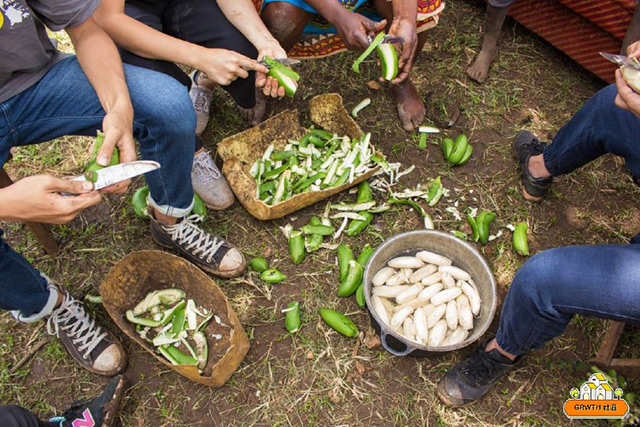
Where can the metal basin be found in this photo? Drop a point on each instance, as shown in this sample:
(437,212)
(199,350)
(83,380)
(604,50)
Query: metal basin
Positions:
(463,255)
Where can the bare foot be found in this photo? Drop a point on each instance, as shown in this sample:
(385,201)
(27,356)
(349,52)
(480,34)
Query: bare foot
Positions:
(255,115)
(410,107)
(479,70)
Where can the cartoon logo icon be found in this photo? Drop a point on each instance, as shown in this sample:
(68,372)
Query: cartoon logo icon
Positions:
(596,399)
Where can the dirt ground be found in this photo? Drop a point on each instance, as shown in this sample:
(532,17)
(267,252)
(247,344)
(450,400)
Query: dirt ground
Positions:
(319,377)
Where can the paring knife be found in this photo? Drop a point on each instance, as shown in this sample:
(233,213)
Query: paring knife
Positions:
(389,39)
(622,60)
(114,174)
(287,62)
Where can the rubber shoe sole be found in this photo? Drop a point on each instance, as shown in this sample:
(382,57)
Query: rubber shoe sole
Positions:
(113,409)
(528,196)
(448,400)
(525,146)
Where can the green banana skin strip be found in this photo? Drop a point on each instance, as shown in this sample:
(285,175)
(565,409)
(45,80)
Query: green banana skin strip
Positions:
(356,65)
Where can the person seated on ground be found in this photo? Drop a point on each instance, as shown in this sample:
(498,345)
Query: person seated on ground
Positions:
(103,410)
(288,19)
(495,16)
(45,94)
(217,40)
(554,285)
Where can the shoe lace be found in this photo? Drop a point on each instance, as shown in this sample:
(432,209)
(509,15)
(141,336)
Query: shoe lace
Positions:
(194,239)
(71,318)
(204,162)
(200,99)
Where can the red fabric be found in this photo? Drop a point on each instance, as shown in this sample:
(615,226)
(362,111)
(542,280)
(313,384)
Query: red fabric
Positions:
(613,17)
(579,28)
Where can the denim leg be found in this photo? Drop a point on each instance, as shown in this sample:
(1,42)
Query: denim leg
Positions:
(554,285)
(63,102)
(597,129)
(22,288)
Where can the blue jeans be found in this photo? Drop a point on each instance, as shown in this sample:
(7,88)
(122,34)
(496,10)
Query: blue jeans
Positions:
(601,281)
(597,129)
(63,102)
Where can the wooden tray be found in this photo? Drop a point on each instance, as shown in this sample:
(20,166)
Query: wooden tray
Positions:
(129,281)
(240,151)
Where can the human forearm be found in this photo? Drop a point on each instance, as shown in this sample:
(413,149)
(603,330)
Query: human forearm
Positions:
(405,9)
(330,10)
(145,41)
(101,63)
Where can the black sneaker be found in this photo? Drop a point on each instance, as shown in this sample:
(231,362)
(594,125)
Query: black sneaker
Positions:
(472,378)
(525,146)
(212,254)
(101,411)
(94,348)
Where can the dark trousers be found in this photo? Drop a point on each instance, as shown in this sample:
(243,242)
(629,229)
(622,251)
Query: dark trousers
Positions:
(17,416)
(196,21)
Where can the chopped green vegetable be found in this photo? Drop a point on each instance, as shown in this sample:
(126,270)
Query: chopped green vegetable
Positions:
(258,264)
(292,317)
(520,243)
(422,143)
(296,246)
(286,77)
(272,275)
(339,322)
(353,279)
(361,105)
(388,61)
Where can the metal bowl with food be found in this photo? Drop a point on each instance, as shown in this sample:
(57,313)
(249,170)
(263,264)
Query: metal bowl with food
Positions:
(429,292)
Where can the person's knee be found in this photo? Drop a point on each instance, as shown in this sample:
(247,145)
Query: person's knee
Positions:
(278,17)
(534,279)
(162,103)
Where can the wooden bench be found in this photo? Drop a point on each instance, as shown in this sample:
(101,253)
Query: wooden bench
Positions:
(604,359)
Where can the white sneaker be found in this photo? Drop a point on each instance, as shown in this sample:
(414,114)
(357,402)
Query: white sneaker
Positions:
(201,97)
(209,183)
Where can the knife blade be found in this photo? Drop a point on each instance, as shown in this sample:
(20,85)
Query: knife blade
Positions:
(389,39)
(105,177)
(622,60)
(287,62)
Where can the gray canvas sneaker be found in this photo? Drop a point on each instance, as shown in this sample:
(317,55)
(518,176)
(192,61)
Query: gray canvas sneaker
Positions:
(209,183)
(201,97)
(96,349)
